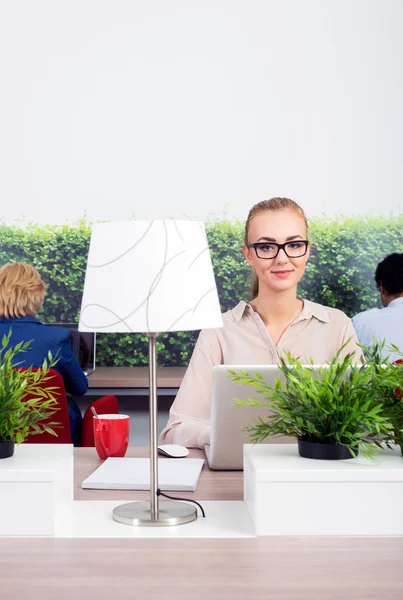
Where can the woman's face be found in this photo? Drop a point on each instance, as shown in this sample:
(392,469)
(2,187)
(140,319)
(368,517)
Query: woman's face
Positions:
(282,272)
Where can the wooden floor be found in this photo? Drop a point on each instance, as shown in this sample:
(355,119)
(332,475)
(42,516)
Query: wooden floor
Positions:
(278,569)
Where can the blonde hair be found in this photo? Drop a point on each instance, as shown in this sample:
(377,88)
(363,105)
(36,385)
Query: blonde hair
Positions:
(272,204)
(22,291)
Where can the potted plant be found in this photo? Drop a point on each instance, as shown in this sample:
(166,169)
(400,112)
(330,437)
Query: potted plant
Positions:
(20,417)
(388,381)
(333,413)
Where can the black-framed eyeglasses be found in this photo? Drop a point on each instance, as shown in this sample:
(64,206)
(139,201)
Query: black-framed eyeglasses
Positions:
(268,250)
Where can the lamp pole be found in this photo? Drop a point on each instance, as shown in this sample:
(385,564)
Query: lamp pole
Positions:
(154,513)
(152,367)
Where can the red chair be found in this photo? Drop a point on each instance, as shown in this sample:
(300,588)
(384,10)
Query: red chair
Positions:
(60,416)
(107,405)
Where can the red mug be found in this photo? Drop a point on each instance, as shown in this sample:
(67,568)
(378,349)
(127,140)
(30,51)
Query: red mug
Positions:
(111,435)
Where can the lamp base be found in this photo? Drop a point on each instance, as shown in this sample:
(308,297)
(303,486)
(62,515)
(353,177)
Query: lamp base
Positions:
(138,514)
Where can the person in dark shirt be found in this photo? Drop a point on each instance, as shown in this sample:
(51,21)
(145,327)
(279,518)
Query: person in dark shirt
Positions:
(22,293)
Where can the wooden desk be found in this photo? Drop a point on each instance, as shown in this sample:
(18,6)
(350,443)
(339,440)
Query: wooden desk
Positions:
(119,380)
(212,485)
(202,569)
(199,569)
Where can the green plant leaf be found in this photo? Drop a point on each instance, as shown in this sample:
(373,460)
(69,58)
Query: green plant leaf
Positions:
(26,399)
(344,403)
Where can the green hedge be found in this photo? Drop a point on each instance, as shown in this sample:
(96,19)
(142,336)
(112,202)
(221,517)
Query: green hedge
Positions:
(340,273)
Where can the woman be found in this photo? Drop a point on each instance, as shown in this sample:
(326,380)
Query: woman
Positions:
(22,293)
(277,248)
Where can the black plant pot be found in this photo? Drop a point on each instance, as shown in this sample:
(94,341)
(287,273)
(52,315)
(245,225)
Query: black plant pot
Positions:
(324,451)
(6,448)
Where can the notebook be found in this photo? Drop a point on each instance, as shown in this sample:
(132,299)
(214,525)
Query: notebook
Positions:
(174,474)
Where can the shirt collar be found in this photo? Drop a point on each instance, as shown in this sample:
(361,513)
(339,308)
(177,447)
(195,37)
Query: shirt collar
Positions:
(239,309)
(310,309)
(396,302)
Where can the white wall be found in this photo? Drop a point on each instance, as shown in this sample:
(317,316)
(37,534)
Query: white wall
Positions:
(168,107)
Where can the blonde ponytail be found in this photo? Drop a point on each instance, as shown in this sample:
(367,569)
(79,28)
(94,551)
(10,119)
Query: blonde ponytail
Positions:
(254,284)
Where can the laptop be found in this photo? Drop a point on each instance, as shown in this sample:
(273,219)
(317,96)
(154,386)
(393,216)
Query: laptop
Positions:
(83,345)
(225,451)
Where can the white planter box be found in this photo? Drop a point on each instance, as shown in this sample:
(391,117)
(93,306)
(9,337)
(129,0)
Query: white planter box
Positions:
(288,495)
(34,484)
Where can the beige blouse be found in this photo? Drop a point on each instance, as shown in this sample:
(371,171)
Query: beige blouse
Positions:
(317,332)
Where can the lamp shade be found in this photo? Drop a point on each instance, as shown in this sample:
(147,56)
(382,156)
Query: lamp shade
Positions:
(149,276)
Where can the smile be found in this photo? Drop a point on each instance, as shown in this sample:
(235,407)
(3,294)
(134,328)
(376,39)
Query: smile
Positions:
(281,274)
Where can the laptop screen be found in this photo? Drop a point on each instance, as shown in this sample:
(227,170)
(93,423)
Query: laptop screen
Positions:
(82,344)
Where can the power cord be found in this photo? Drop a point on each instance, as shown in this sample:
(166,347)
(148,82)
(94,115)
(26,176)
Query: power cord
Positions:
(159,493)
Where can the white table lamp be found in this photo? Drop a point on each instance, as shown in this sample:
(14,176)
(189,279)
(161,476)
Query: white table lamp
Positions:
(150,277)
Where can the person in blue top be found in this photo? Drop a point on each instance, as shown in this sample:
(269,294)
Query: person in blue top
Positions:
(22,293)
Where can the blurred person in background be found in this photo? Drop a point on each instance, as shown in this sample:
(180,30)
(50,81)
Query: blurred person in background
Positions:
(22,293)
(385,323)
